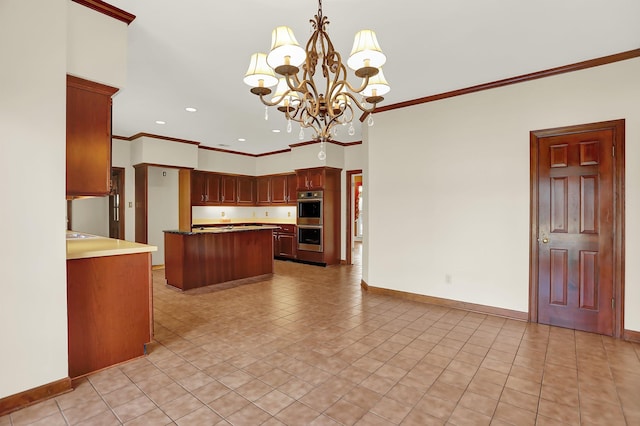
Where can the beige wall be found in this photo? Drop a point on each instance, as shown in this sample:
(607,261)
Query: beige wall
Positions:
(33,307)
(448,186)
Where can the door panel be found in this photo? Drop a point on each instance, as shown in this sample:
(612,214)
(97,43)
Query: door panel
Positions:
(576,230)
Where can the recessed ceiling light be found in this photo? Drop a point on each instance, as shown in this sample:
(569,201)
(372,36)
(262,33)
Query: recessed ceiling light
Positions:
(241,139)
(160,122)
(190,109)
(276,131)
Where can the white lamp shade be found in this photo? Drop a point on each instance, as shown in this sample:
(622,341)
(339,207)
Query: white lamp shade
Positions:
(292,97)
(259,74)
(366,51)
(284,45)
(377,83)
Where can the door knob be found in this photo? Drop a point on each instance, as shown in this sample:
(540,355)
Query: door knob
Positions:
(545,240)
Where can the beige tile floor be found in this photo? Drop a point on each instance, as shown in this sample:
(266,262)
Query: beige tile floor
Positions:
(310,347)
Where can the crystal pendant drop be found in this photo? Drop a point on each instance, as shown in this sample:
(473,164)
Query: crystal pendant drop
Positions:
(352,130)
(289,126)
(266,113)
(301,134)
(335,131)
(370,120)
(322,155)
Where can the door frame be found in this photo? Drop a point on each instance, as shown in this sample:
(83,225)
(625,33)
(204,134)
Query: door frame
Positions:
(349,192)
(618,128)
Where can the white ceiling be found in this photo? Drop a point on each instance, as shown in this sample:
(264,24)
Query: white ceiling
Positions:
(194,53)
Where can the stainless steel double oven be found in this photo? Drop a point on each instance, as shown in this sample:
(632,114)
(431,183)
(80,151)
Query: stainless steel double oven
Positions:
(309,221)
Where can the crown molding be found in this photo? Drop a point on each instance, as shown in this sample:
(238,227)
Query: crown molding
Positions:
(107,9)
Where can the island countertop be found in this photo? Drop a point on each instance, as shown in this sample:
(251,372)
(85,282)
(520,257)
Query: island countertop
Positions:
(222,229)
(82,246)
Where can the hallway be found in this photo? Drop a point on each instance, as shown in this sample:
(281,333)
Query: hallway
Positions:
(309,346)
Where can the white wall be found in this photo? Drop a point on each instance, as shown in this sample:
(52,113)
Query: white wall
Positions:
(96,46)
(448,185)
(121,157)
(90,215)
(224,162)
(33,307)
(162,208)
(159,151)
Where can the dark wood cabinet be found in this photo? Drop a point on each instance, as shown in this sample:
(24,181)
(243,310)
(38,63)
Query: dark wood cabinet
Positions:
(88,152)
(292,189)
(276,189)
(326,179)
(311,178)
(246,190)
(263,190)
(285,242)
(109,310)
(228,189)
(205,188)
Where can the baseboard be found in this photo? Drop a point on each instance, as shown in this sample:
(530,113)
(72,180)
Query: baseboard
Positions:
(449,303)
(156,267)
(631,336)
(24,399)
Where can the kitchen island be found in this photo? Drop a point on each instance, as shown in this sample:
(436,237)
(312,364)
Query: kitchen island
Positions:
(109,301)
(207,256)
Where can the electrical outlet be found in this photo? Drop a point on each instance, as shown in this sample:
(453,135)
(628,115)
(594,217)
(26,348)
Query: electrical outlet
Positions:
(222,214)
(288,214)
(130,204)
(448,279)
(266,214)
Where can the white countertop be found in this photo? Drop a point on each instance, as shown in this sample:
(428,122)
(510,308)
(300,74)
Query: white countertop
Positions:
(82,246)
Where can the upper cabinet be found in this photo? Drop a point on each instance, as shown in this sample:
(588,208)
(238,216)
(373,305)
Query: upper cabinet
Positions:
(88,137)
(276,189)
(311,178)
(205,188)
(246,190)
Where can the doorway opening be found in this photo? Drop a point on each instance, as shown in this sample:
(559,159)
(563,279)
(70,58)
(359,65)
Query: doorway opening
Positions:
(577,227)
(355,218)
(116,204)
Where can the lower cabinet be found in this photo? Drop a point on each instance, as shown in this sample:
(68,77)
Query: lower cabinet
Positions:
(110,315)
(285,242)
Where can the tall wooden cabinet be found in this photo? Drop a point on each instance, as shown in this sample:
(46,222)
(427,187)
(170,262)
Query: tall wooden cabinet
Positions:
(88,137)
(327,180)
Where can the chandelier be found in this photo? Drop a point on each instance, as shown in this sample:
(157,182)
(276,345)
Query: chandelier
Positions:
(323,103)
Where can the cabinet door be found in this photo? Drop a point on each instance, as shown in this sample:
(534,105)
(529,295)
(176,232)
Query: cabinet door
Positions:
(316,178)
(302,178)
(88,152)
(212,189)
(263,190)
(246,190)
(292,193)
(310,178)
(197,188)
(278,189)
(287,245)
(228,188)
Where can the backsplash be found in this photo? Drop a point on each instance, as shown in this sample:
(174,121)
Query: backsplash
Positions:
(201,215)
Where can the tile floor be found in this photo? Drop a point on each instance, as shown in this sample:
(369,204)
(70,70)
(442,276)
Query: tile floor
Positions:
(310,347)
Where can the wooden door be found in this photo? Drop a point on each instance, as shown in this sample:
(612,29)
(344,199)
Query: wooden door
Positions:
(577,213)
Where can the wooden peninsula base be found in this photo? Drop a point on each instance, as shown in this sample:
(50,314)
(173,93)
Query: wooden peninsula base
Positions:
(217,255)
